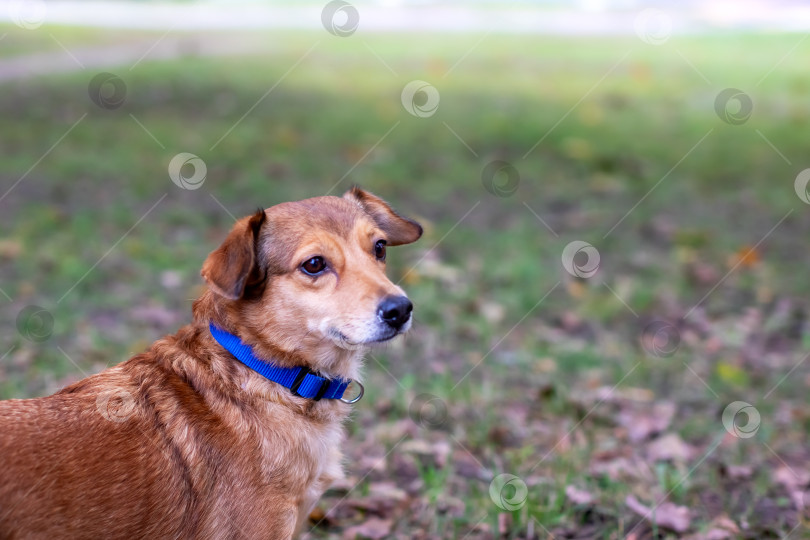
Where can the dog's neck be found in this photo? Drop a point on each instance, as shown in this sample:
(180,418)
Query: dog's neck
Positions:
(300,380)
(320,354)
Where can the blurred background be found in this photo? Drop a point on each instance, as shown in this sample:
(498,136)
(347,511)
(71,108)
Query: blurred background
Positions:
(611,292)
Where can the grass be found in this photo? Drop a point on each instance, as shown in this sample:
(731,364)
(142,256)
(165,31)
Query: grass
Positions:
(603,133)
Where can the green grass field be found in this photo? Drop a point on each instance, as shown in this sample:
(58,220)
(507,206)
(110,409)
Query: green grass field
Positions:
(514,366)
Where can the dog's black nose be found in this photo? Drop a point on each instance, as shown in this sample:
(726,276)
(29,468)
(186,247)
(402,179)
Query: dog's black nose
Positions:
(395,311)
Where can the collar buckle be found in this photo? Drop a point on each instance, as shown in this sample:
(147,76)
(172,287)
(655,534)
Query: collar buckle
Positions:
(299,379)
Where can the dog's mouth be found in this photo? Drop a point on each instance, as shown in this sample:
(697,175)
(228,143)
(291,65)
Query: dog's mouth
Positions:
(345,342)
(386,337)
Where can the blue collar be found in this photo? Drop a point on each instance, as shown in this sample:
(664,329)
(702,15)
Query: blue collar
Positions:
(301,381)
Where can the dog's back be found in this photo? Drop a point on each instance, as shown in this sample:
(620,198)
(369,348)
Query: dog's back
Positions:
(133,452)
(84,481)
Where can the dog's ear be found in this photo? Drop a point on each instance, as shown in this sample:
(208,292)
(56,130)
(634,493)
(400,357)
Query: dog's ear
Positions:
(400,230)
(233,265)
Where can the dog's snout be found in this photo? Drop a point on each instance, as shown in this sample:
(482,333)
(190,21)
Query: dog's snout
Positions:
(395,311)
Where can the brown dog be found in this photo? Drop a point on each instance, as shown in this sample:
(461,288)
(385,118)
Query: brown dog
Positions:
(186,441)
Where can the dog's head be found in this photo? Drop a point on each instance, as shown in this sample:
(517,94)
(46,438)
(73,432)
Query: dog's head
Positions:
(307,278)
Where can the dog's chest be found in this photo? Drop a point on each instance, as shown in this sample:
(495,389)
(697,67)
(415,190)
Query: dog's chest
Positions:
(305,453)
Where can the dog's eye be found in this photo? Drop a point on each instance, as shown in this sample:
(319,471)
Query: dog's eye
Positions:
(379,250)
(314,266)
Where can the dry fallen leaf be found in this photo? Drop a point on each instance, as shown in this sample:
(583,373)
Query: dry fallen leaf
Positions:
(467,466)
(344,485)
(578,496)
(318,515)
(369,463)
(794,481)
(746,256)
(439,450)
(504,523)
(387,490)
(702,273)
(791,477)
(738,472)
(492,312)
(621,469)
(10,249)
(450,505)
(416,446)
(374,529)
(394,431)
(669,447)
(721,528)
(575,288)
(666,515)
(643,422)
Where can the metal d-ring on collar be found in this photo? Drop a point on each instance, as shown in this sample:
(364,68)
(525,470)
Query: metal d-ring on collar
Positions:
(356,398)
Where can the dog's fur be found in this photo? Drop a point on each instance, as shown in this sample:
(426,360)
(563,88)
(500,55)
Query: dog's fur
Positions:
(183,441)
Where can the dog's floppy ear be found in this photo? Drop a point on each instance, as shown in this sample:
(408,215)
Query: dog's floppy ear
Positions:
(234,264)
(400,230)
